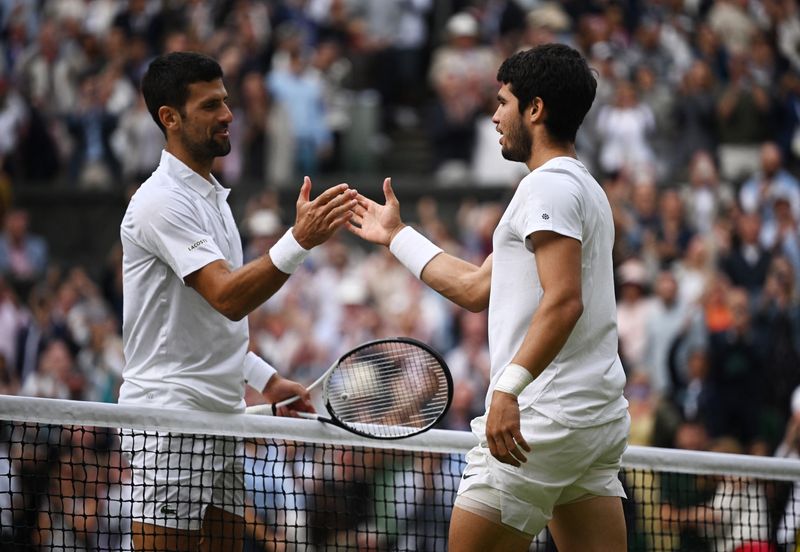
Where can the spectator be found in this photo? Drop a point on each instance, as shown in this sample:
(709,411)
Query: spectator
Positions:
(23,255)
(463,77)
(768,183)
(634,308)
(13,119)
(300,93)
(705,196)
(743,108)
(624,129)
(694,114)
(667,316)
(91,125)
(747,262)
(735,360)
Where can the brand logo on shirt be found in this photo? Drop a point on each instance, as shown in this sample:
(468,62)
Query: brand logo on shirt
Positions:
(545,216)
(197,244)
(166,510)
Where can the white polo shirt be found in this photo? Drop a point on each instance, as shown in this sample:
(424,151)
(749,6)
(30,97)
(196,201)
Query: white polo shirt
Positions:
(583,385)
(179,351)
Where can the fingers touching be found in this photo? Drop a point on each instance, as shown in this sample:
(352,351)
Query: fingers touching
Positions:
(318,219)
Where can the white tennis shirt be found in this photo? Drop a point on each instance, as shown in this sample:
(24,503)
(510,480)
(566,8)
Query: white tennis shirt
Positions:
(583,385)
(179,351)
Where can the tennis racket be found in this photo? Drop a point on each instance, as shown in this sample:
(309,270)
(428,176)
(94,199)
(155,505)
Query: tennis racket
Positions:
(384,389)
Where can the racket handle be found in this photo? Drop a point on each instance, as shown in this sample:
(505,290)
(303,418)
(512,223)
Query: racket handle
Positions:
(268,409)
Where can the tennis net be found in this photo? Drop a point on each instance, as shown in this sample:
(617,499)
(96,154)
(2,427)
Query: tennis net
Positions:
(65,485)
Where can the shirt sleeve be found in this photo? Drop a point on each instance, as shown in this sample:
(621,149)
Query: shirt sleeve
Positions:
(257,371)
(173,231)
(550,202)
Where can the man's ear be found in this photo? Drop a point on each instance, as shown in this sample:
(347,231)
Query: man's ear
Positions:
(169,117)
(536,109)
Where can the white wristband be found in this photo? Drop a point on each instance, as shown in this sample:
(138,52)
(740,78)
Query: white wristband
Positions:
(513,380)
(287,254)
(413,250)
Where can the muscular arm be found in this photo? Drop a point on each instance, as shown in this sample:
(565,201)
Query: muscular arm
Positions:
(558,262)
(462,282)
(236,293)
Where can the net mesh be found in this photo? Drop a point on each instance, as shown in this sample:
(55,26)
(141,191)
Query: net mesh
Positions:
(66,485)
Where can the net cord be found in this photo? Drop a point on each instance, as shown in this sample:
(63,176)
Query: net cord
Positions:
(87,413)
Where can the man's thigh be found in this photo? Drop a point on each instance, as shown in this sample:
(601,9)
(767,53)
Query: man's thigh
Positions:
(221,532)
(470,531)
(596,524)
(148,537)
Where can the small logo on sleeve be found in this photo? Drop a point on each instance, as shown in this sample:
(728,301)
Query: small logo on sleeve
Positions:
(166,510)
(197,244)
(545,216)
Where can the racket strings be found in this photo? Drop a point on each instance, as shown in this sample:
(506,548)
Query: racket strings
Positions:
(389,389)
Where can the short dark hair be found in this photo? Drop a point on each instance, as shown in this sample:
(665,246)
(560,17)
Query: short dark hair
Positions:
(560,76)
(168,77)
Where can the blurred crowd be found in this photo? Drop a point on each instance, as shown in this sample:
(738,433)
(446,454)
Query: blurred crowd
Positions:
(694,136)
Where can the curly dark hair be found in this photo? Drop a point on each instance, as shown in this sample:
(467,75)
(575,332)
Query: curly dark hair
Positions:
(560,76)
(168,77)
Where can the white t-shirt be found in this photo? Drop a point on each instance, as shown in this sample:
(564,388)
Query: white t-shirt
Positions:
(180,352)
(583,385)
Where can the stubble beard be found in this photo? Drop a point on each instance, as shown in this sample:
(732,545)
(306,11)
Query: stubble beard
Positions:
(520,144)
(208,149)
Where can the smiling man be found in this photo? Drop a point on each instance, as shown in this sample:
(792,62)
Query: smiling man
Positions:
(556,425)
(187,295)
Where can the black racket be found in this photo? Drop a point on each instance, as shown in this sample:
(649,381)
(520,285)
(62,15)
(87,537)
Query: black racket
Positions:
(384,389)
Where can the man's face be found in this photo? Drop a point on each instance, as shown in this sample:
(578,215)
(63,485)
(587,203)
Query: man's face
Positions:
(515,138)
(205,119)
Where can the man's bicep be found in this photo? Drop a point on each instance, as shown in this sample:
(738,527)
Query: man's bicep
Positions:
(558,261)
(208,279)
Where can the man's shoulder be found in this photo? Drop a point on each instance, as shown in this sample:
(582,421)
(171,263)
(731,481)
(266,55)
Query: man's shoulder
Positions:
(158,192)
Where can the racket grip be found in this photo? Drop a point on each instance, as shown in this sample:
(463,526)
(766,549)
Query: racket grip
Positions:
(268,409)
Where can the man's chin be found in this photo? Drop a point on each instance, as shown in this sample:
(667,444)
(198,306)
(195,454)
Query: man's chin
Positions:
(512,156)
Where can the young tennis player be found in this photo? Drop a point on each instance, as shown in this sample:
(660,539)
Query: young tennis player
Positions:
(556,423)
(187,295)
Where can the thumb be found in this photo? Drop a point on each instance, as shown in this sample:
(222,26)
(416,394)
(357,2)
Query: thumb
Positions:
(305,190)
(388,192)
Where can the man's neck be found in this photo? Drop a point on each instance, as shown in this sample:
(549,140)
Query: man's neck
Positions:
(545,152)
(203,168)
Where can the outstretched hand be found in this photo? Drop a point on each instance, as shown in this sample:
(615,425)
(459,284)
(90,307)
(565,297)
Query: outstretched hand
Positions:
(374,222)
(317,220)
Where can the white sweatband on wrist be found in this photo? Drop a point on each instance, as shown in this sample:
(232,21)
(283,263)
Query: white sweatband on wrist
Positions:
(257,371)
(287,254)
(513,380)
(413,250)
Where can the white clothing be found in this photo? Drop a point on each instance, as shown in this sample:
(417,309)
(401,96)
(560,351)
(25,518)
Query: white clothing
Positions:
(181,352)
(565,466)
(177,476)
(583,385)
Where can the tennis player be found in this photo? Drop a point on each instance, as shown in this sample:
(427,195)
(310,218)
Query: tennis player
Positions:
(556,424)
(187,295)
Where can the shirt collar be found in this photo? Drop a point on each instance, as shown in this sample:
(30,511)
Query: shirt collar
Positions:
(178,169)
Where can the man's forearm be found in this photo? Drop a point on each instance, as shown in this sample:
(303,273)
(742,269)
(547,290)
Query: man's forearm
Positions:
(549,330)
(461,282)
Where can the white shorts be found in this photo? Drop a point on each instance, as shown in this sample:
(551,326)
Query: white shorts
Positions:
(175,477)
(564,465)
